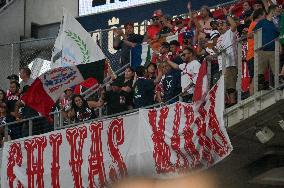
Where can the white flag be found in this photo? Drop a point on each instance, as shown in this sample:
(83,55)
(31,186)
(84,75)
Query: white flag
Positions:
(74,45)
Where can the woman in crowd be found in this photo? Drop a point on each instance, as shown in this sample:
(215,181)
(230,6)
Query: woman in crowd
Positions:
(15,131)
(81,109)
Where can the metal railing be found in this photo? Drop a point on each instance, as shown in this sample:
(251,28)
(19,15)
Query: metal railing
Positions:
(5,4)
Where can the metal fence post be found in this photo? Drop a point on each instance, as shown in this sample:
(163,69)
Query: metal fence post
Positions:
(60,119)
(100,111)
(30,127)
(209,73)
(239,78)
(277,66)
(12,58)
(6,132)
(257,44)
(223,63)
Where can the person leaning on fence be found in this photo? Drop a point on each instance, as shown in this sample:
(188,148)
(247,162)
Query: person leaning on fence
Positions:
(22,111)
(226,44)
(117,100)
(143,89)
(189,71)
(129,40)
(81,109)
(257,15)
(5,118)
(171,84)
(126,81)
(267,53)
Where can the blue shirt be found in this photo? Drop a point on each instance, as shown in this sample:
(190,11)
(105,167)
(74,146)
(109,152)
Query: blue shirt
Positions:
(172,86)
(143,93)
(269,33)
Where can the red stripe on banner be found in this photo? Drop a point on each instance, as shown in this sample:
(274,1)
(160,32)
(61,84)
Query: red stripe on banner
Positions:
(199,92)
(38,99)
(86,84)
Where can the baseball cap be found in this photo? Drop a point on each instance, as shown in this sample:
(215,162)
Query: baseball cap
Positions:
(214,34)
(13,77)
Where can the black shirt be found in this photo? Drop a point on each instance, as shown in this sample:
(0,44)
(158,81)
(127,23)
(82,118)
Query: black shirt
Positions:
(116,102)
(143,92)
(129,95)
(84,114)
(125,49)
(6,119)
(11,102)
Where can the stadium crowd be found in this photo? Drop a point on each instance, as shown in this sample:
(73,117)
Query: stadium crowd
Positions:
(172,71)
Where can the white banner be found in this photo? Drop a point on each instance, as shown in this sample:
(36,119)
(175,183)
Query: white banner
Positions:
(74,45)
(56,81)
(166,140)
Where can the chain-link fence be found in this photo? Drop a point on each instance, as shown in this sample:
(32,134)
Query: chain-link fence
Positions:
(35,54)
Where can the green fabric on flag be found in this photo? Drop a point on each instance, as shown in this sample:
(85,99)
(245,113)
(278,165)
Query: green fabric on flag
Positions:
(149,57)
(281,37)
(146,54)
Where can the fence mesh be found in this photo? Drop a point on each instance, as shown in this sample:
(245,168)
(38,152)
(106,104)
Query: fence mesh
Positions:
(35,54)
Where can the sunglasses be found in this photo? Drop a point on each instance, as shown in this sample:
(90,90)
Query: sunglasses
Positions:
(155,18)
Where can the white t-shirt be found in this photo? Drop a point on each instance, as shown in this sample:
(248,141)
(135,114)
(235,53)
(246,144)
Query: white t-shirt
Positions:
(225,41)
(189,72)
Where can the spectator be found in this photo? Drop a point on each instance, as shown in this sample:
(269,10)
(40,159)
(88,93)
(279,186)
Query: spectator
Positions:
(127,85)
(129,40)
(13,96)
(143,89)
(227,43)
(247,11)
(82,110)
(12,78)
(167,27)
(204,27)
(211,52)
(5,118)
(151,71)
(259,4)
(65,102)
(2,96)
(171,84)
(267,54)
(174,49)
(163,55)
(174,54)
(153,30)
(40,124)
(276,16)
(258,15)
(25,75)
(189,71)
(116,99)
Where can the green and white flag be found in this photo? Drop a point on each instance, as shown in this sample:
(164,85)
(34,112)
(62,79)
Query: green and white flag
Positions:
(74,45)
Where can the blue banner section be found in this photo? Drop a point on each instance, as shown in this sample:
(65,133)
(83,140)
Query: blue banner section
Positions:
(137,14)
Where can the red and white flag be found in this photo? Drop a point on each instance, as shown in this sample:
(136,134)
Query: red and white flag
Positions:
(201,87)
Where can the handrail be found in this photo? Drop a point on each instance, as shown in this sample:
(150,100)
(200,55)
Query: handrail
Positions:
(6,5)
